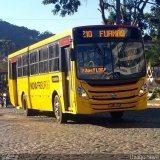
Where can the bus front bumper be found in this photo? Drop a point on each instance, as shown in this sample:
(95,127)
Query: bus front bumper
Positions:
(93,106)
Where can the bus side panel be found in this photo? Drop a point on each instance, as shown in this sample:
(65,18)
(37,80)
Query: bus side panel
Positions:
(22,90)
(40,96)
(13,92)
(56,86)
(36,93)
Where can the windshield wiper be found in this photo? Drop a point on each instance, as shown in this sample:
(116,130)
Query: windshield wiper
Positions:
(99,50)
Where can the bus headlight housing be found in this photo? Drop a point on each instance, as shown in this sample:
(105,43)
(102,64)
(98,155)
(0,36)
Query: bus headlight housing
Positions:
(143,90)
(81,92)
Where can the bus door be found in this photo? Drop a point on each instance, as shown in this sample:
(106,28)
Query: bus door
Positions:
(13,81)
(67,70)
(26,80)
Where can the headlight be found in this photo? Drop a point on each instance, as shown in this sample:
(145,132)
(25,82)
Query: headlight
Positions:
(82,93)
(143,90)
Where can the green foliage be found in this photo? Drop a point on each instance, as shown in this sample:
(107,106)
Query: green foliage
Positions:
(112,18)
(153,22)
(3,69)
(13,37)
(155,94)
(132,11)
(153,54)
(157,1)
(63,7)
(6,47)
(44,35)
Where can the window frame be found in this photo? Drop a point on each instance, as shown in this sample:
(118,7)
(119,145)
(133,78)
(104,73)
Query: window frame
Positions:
(34,62)
(25,60)
(53,67)
(19,67)
(43,59)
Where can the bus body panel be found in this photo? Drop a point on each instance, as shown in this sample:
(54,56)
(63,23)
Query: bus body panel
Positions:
(101,100)
(39,89)
(34,96)
(22,89)
(87,108)
(13,92)
(42,89)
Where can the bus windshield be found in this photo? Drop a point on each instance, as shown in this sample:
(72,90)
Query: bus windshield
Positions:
(111,60)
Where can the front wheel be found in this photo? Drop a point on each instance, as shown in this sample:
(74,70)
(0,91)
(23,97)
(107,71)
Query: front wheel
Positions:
(61,117)
(117,115)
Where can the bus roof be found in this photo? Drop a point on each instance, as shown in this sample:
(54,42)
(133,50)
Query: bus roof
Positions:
(60,36)
(42,43)
(106,25)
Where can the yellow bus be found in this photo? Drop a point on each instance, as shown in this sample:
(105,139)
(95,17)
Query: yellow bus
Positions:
(85,70)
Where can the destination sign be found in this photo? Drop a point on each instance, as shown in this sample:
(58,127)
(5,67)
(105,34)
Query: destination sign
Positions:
(119,33)
(103,33)
(93,70)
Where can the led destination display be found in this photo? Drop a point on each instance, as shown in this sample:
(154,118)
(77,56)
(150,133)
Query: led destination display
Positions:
(86,34)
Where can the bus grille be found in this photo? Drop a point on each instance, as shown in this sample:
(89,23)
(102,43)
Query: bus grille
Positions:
(113,95)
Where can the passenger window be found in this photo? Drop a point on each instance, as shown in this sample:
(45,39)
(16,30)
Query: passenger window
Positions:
(34,63)
(53,57)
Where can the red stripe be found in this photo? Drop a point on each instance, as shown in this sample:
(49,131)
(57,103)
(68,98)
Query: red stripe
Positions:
(14,59)
(64,42)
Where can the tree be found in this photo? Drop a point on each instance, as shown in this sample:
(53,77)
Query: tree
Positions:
(64,7)
(157,1)
(6,47)
(132,11)
(153,22)
(9,41)
(153,55)
(44,35)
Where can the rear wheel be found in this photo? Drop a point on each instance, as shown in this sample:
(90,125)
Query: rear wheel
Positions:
(117,115)
(61,117)
(27,112)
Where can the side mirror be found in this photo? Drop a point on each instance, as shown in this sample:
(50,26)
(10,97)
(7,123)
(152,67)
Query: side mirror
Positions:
(72,54)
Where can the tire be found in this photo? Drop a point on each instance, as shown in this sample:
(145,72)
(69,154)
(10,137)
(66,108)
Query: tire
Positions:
(27,112)
(116,115)
(1,102)
(61,117)
(5,103)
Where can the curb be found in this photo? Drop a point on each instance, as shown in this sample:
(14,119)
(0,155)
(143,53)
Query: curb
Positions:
(155,103)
